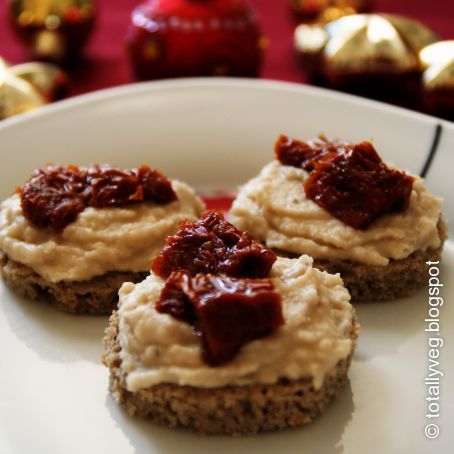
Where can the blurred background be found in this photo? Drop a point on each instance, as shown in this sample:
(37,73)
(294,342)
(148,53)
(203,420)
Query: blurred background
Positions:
(103,62)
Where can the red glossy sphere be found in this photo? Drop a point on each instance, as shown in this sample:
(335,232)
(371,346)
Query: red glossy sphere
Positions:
(183,38)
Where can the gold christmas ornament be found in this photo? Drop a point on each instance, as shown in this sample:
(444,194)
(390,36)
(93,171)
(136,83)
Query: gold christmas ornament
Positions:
(438,77)
(17,96)
(26,86)
(53,30)
(48,79)
(327,10)
(3,64)
(438,62)
(362,46)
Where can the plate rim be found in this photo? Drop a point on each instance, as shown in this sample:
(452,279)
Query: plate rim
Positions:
(106,94)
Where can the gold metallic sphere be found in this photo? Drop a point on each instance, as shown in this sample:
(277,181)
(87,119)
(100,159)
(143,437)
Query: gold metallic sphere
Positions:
(3,64)
(17,96)
(48,79)
(26,86)
(438,62)
(438,78)
(362,44)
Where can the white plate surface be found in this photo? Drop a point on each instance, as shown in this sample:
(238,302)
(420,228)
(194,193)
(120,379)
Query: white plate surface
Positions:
(215,134)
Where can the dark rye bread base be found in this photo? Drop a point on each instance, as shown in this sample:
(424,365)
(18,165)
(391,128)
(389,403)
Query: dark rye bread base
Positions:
(96,296)
(369,283)
(228,410)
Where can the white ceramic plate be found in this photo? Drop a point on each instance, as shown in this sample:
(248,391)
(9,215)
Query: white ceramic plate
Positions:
(215,134)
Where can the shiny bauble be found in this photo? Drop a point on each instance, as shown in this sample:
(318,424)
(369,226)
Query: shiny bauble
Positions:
(17,96)
(182,38)
(51,82)
(438,78)
(375,55)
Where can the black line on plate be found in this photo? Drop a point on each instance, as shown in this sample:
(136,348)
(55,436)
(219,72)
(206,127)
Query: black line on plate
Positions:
(433,150)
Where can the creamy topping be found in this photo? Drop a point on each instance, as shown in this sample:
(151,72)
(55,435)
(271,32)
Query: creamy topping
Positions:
(157,348)
(100,240)
(273,207)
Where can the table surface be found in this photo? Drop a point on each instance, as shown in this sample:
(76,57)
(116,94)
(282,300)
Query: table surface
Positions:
(105,64)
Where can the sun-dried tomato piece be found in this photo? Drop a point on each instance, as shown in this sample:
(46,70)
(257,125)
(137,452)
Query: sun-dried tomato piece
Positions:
(357,187)
(349,181)
(113,187)
(292,152)
(225,312)
(213,245)
(156,186)
(55,195)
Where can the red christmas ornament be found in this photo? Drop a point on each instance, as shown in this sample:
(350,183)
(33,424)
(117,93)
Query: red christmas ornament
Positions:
(183,38)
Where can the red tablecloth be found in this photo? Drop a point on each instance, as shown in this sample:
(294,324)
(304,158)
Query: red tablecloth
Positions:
(105,64)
